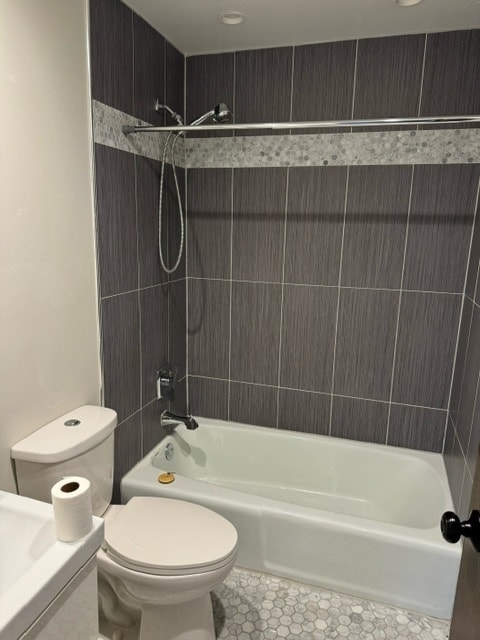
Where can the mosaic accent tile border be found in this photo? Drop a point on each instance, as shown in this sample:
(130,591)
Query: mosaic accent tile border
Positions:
(446,146)
(443,146)
(107,130)
(256,606)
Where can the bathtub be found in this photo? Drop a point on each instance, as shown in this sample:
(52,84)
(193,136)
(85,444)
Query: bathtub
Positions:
(353,517)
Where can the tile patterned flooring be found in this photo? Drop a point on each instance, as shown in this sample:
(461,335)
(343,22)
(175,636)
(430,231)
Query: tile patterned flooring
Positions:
(255,606)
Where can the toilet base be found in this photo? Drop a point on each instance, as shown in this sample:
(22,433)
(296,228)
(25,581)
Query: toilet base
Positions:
(191,620)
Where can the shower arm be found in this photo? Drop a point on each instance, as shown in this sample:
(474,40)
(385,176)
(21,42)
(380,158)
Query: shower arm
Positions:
(377,122)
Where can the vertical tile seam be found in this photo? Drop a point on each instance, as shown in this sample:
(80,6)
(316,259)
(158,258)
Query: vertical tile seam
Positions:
(282,290)
(185,247)
(422,79)
(332,382)
(471,421)
(460,318)
(232,186)
(232,189)
(291,86)
(397,326)
(139,305)
(354,87)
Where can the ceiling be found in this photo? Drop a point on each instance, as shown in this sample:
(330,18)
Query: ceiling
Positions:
(192,26)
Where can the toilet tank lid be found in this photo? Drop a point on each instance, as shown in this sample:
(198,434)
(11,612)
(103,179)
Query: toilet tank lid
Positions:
(57,441)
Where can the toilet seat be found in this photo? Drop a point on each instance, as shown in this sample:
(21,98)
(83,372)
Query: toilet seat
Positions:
(163,536)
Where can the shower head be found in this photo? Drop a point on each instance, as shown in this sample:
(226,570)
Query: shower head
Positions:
(220,113)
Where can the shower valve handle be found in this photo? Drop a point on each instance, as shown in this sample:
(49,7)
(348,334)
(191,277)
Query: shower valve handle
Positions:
(452,527)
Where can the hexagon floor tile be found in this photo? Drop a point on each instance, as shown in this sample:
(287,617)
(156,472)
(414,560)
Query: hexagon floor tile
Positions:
(256,606)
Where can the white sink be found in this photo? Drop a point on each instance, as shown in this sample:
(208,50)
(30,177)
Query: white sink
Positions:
(34,565)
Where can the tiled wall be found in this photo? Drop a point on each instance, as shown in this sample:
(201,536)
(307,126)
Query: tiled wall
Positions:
(142,310)
(328,299)
(463,432)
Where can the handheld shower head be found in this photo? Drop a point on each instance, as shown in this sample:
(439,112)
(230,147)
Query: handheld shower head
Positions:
(220,113)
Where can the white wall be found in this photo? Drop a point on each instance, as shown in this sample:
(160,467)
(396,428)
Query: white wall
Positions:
(49,353)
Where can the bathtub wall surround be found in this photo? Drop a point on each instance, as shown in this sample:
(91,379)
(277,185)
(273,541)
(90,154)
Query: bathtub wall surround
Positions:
(463,432)
(141,308)
(327,298)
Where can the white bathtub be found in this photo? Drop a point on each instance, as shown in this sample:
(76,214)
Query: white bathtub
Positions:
(353,517)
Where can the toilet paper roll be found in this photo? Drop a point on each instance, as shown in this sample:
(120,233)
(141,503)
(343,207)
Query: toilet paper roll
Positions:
(72,508)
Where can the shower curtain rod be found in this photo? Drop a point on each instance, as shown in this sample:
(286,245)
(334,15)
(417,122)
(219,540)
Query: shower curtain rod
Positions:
(377,122)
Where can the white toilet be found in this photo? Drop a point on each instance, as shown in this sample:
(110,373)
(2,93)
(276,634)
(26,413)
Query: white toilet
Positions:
(160,558)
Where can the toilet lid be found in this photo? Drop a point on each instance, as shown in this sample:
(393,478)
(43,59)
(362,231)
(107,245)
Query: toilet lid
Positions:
(169,537)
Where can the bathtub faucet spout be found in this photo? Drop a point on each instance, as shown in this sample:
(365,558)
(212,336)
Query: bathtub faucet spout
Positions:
(187,420)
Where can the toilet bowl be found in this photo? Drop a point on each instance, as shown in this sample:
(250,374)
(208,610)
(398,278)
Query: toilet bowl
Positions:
(160,558)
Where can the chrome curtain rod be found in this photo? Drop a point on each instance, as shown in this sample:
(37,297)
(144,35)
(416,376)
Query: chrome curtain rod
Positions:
(378,122)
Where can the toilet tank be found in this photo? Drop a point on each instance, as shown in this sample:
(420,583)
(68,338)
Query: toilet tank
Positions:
(80,443)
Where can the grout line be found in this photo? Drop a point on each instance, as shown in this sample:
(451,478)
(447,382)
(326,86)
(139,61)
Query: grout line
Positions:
(187,315)
(231,292)
(354,89)
(338,298)
(291,87)
(397,326)
(462,310)
(473,416)
(282,295)
(318,393)
(327,286)
(422,78)
(139,304)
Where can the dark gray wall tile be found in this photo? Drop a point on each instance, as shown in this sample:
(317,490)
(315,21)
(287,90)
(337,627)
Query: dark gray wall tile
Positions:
(121,353)
(174,79)
(463,422)
(208,327)
(149,72)
(253,404)
(426,342)
(147,189)
(464,506)
(365,343)
(172,214)
(208,397)
(375,226)
(316,204)
(255,332)
(116,220)
(362,420)
(111,52)
(154,337)
(323,83)
(440,225)
(459,371)
(416,428)
(308,337)
(263,80)
(454,465)
(388,79)
(128,450)
(259,197)
(209,222)
(209,82)
(303,411)
(474,259)
(178,325)
(452,68)
(474,442)
(178,403)
(152,431)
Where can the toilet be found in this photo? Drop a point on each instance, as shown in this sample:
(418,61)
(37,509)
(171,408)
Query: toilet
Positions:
(161,557)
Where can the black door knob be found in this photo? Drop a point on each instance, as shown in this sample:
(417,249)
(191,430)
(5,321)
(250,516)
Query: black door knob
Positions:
(452,528)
